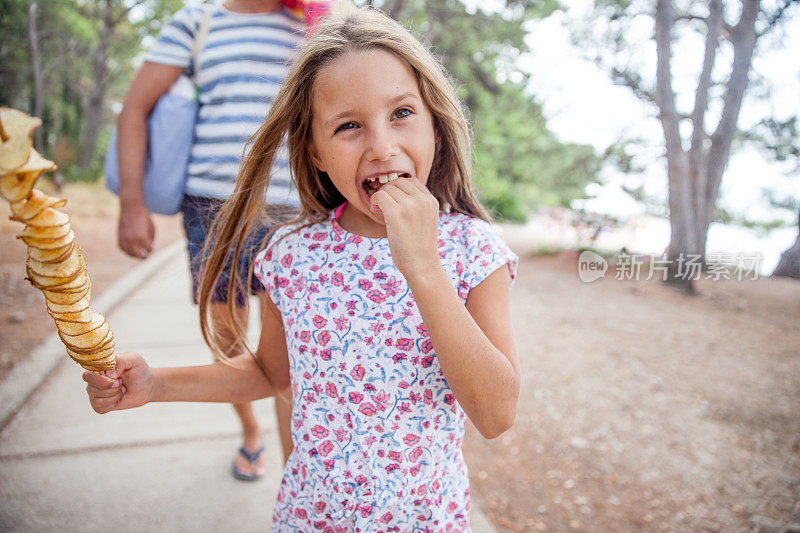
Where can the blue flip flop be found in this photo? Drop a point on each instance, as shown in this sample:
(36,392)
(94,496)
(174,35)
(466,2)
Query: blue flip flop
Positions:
(253,459)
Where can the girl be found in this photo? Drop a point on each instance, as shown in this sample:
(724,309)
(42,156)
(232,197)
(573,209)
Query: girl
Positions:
(389,300)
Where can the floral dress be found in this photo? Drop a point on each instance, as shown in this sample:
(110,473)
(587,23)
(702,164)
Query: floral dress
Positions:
(377,431)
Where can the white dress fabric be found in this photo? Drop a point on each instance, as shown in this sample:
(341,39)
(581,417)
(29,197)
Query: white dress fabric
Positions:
(377,431)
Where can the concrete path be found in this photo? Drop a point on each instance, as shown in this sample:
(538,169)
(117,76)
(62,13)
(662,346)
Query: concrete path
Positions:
(162,467)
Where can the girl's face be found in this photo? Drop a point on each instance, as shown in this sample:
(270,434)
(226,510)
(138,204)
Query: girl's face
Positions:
(370,125)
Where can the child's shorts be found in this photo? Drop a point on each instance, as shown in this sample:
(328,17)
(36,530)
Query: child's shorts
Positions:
(198,214)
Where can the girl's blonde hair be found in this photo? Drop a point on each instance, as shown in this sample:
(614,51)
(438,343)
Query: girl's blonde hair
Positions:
(347,29)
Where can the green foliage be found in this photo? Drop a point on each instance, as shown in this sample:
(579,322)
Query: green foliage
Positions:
(69,37)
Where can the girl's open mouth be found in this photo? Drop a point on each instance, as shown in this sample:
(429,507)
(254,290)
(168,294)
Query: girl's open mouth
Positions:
(373,184)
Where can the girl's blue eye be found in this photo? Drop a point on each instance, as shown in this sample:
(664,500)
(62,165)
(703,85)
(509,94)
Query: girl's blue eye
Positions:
(346,126)
(403,112)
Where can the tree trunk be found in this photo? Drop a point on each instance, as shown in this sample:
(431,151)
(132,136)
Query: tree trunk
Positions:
(789,264)
(695,172)
(36,70)
(95,108)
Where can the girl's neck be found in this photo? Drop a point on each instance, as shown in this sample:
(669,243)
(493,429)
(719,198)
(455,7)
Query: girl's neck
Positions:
(352,221)
(252,6)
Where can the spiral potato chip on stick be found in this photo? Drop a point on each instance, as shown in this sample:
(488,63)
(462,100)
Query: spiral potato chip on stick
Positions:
(55,263)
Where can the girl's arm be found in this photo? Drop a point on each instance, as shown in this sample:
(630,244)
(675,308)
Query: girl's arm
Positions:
(133,383)
(474,344)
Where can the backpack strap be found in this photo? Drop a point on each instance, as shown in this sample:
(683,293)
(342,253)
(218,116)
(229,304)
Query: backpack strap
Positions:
(200,39)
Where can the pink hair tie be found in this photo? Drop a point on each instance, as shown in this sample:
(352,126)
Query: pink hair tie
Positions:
(309,10)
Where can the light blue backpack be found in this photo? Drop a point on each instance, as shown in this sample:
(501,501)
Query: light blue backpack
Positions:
(170,133)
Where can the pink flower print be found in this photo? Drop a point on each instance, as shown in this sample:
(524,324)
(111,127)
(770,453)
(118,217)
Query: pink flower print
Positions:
(310,398)
(319,432)
(319,236)
(329,464)
(337,278)
(364,284)
(427,346)
(403,384)
(322,279)
(314,268)
(388,342)
(319,321)
(387,315)
(439,243)
(305,336)
(428,395)
(451,507)
(286,260)
(398,357)
(414,397)
(449,399)
(341,434)
(422,330)
(325,354)
(381,400)
(333,305)
(325,448)
(386,518)
(427,361)
(351,304)
(368,340)
(376,296)
(376,327)
(395,456)
(411,439)
(414,470)
(404,344)
(369,387)
(268,255)
(415,454)
(338,248)
(366,510)
(319,506)
(370,440)
(323,337)
(368,262)
(281,282)
(330,390)
(487,249)
(404,407)
(356,397)
(459,268)
(392,286)
(290,293)
(379,275)
(367,409)
(313,288)
(357,373)
(301,514)
(341,322)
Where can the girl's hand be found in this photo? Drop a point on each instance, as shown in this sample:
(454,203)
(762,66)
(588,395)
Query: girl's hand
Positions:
(130,384)
(411,214)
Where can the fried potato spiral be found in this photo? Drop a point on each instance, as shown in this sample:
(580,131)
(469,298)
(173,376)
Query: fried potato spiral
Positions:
(55,263)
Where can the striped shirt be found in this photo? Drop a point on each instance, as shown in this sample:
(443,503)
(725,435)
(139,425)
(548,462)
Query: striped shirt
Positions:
(243,61)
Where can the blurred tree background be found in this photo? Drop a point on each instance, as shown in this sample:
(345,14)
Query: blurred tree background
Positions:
(69,61)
